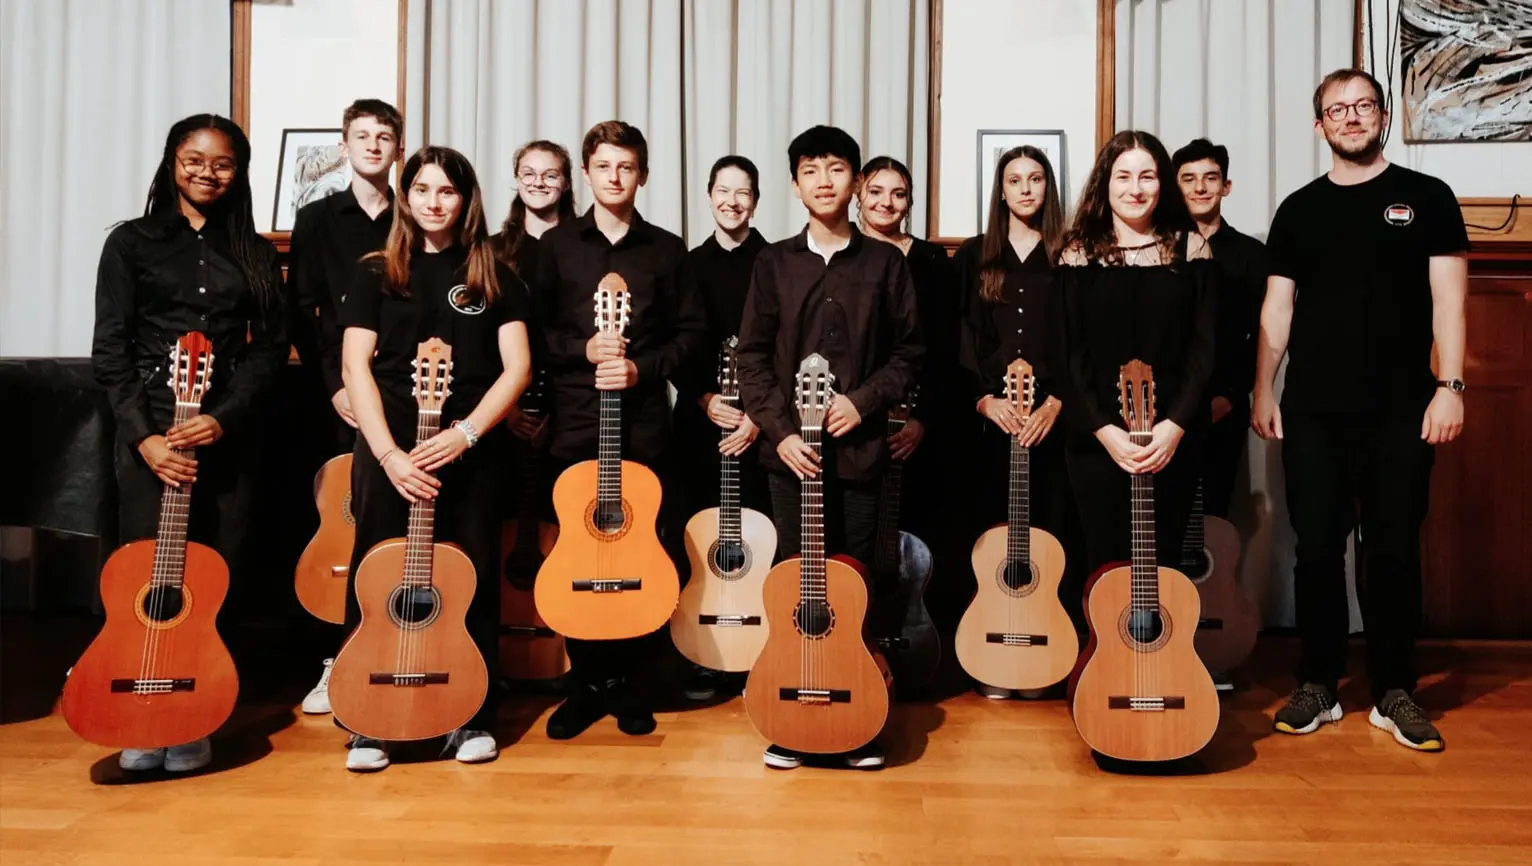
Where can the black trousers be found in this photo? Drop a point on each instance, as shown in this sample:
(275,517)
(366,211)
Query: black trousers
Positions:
(1103,494)
(1225,448)
(467,514)
(851,516)
(1345,472)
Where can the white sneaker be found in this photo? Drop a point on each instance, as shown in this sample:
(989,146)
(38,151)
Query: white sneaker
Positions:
(366,755)
(138,760)
(472,747)
(189,756)
(317,701)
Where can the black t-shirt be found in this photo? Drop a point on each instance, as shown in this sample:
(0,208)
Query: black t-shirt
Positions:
(1360,255)
(436,307)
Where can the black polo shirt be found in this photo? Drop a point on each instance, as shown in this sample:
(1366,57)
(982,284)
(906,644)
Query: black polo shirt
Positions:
(1360,255)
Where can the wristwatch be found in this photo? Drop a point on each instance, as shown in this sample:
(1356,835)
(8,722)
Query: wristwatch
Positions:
(1456,386)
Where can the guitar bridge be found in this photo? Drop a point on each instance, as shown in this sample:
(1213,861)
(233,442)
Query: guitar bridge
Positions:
(1014,639)
(1146,705)
(727,620)
(340,571)
(424,678)
(612,584)
(162,686)
(815,696)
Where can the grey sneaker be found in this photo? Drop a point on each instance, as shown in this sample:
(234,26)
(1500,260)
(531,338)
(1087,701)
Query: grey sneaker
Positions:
(139,760)
(1309,706)
(1398,714)
(189,756)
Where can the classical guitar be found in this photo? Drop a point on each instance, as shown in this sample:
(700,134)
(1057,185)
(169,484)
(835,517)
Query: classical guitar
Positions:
(1142,693)
(720,622)
(529,649)
(320,579)
(816,687)
(899,623)
(410,671)
(607,576)
(1226,632)
(158,674)
(1016,633)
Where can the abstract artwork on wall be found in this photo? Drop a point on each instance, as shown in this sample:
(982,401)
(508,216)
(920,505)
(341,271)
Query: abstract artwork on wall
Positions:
(1467,67)
(312,165)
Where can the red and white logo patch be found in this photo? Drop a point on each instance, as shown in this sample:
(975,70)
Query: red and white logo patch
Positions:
(1399,214)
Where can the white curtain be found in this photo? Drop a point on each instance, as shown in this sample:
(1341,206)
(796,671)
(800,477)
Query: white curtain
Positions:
(1241,73)
(701,78)
(88,89)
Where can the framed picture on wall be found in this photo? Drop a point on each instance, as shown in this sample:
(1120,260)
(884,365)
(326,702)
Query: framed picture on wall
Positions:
(994,142)
(312,165)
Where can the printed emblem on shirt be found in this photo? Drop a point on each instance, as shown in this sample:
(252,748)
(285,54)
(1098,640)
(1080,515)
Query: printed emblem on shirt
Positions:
(458,297)
(1399,214)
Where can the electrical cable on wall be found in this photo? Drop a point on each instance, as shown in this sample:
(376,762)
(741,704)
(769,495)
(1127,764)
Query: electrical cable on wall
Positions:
(1510,216)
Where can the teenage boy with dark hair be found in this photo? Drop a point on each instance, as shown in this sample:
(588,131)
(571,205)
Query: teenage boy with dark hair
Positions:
(831,291)
(1202,172)
(329,237)
(666,326)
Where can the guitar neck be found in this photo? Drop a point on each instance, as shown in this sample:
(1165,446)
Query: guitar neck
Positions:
(1194,530)
(728,489)
(888,518)
(526,507)
(1146,571)
(1018,535)
(175,514)
(609,453)
(420,539)
(811,571)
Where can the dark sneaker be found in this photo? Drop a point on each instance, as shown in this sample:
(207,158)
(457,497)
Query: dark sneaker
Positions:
(868,757)
(779,758)
(1398,714)
(1308,707)
(705,683)
(633,715)
(584,707)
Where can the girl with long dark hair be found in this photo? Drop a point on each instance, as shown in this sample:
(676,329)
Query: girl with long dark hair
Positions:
(1137,283)
(436,277)
(192,262)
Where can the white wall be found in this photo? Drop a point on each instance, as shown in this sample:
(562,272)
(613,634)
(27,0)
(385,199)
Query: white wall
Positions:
(1009,65)
(1472,169)
(309,59)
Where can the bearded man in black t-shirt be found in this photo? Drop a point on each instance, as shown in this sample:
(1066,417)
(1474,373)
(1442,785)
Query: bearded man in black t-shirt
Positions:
(1368,269)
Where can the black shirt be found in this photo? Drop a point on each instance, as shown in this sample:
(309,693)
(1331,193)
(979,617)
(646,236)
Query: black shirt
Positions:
(859,312)
(1164,315)
(937,305)
(435,307)
(723,279)
(158,279)
(330,236)
(1025,323)
(666,325)
(1241,263)
(1360,256)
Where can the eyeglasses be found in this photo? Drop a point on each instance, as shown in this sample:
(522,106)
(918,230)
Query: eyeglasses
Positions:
(195,165)
(552,177)
(1364,108)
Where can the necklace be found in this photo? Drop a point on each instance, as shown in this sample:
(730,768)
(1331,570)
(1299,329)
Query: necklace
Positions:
(1135,252)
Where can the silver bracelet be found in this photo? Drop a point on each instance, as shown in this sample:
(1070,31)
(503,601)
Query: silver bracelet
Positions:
(469,433)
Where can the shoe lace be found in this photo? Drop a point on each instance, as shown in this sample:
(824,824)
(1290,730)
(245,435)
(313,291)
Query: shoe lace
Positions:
(1405,710)
(324,678)
(1308,699)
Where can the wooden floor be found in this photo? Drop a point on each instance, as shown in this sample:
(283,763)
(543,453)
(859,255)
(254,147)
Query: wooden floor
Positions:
(970,782)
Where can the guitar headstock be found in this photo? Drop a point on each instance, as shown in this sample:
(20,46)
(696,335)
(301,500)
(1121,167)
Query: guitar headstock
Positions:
(1021,387)
(612,306)
(191,368)
(1135,396)
(728,369)
(534,400)
(814,391)
(433,374)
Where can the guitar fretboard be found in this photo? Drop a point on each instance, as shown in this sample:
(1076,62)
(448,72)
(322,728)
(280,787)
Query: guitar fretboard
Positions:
(1146,571)
(1018,535)
(811,571)
(1194,531)
(169,567)
(420,547)
(728,492)
(526,510)
(609,453)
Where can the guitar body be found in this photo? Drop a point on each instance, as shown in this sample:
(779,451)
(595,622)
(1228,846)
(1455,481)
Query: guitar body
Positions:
(529,649)
(438,646)
(99,703)
(632,553)
(839,662)
(1227,630)
(320,579)
(1167,668)
(899,624)
(725,584)
(1016,633)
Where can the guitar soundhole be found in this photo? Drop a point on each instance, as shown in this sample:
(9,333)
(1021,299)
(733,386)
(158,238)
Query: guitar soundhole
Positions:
(729,558)
(163,603)
(1197,564)
(814,618)
(414,606)
(1145,630)
(1018,578)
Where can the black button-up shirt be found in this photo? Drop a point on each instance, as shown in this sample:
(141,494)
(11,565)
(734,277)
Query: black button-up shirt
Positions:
(937,306)
(723,280)
(1241,263)
(158,279)
(329,237)
(666,325)
(1025,323)
(859,312)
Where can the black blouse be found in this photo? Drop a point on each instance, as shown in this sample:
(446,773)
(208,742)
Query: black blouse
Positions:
(1024,323)
(1163,315)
